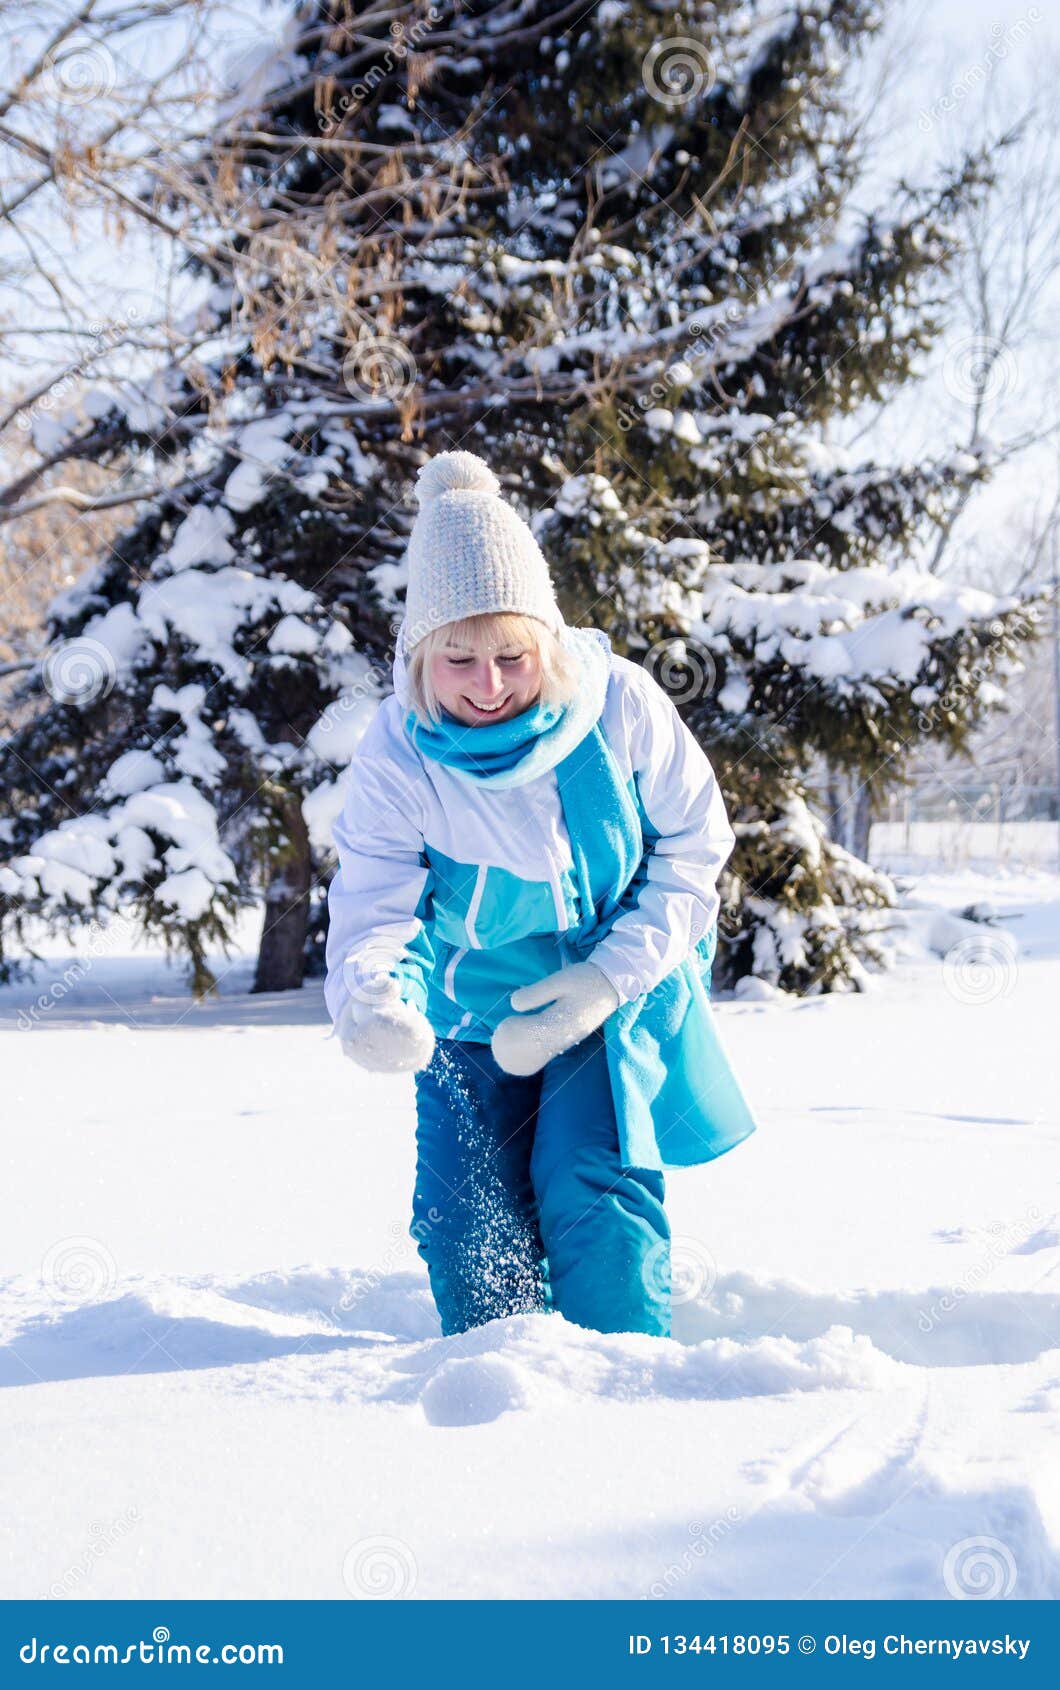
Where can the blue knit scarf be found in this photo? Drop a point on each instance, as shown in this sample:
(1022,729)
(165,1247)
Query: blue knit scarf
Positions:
(485,749)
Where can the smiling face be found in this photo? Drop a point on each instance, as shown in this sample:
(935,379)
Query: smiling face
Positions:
(478,679)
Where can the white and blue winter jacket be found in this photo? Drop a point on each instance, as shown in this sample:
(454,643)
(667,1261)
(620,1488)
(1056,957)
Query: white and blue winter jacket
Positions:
(474,893)
(478,887)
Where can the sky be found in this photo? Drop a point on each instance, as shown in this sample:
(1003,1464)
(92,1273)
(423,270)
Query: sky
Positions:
(961,66)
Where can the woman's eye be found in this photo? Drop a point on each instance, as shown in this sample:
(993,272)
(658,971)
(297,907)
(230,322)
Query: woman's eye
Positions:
(512,659)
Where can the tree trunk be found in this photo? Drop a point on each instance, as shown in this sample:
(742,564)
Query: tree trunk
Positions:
(836,808)
(862,823)
(281,955)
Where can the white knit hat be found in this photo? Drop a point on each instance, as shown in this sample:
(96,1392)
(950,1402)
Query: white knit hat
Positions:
(469,552)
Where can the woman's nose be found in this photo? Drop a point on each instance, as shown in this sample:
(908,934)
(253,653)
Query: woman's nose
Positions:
(489,678)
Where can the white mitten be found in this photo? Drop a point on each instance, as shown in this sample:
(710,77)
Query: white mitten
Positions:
(389,1037)
(580,997)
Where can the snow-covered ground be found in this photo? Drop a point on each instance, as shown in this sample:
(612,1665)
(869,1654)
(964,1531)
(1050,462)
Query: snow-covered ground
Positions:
(862,1397)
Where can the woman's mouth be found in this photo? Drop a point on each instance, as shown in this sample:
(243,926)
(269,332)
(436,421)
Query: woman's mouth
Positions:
(487,709)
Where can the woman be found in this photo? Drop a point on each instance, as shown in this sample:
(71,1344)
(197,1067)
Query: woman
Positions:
(524,915)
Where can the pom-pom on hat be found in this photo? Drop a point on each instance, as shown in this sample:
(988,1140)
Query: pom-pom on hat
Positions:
(469,552)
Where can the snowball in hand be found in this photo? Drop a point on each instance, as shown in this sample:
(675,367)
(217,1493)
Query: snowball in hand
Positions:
(579,999)
(388,1038)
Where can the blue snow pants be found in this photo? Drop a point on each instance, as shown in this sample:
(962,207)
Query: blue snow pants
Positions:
(521,1202)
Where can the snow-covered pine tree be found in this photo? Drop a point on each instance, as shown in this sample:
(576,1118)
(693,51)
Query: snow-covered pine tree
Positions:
(200,697)
(604,246)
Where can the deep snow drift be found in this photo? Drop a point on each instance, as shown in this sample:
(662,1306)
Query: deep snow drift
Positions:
(220,1373)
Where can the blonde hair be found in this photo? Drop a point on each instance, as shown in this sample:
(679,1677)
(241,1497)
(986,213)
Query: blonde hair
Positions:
(559,674)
